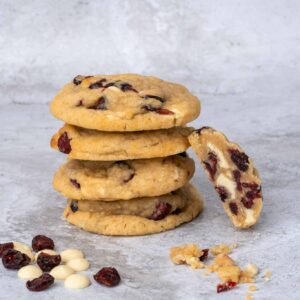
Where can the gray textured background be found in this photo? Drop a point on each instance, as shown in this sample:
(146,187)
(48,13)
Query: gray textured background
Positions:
(240,57)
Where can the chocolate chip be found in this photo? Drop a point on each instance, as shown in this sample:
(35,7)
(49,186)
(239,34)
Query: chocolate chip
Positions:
(99,104)
(98,84)
(79,78)
(183,154)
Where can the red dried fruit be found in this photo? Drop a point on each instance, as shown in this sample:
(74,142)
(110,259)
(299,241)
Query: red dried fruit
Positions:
(162,209)
(211,164)
(75,183)
(248,203)
(108,276)
(99,104)
(204,255)
(222,287)
(234,208)
(41,242)
(240,159)
(14,260)
(79,78)
(237,178)
(161,111)
(154,97)
(41,283)
(222,191)
(63,143)
(47,262)
(74,206)
(98,84)
(5,246)
(123,86)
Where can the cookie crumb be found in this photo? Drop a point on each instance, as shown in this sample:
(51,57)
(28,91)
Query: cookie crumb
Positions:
(187,254)
(252,288)
(222,249)
(249,297)
(267,275)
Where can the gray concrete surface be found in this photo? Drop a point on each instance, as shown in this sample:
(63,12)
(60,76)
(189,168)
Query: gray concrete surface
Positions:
(240,57)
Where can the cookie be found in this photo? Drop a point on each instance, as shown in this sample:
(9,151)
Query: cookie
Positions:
(232,173)
(134,225)
(98,180)
(124,102)
(88,144)
(147,207)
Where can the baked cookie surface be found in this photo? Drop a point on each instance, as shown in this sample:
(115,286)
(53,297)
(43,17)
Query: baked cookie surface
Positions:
(129,225)
(154,208)
(88,144)
(124,102)
(232,173)
(124,180)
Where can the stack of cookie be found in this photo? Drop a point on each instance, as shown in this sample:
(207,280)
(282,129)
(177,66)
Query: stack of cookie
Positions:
(127,172)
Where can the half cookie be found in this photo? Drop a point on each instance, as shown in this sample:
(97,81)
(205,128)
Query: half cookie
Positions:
(87,144)
(136,225)
(124,102)
(232,173)
(107,181)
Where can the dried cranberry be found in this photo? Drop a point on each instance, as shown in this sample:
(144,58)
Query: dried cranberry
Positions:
(123,86)
(237,178)
(14,259)
(248,203)
(222,191)
(161,111)
(98,84)
(108,276)
(75,183)
(222,287)
(41,283)
(234,208)
(41,242)
(204,255)
(154,97)
(47,262)
(162,209)
(79,78)
(63,143)
(130,176)
(5,246)
(80,103)
(252,186)
(74,206)
(202,128)
(99,104)
(240,159)
(211,164)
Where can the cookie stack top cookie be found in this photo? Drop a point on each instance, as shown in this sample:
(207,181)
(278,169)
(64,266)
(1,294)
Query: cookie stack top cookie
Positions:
(125,102)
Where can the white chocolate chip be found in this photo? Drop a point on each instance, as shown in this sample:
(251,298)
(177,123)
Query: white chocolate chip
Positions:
(46,251)
(70,254)
(77,281)
(78,264)
(252,269)
(249,216)
(24,249)
(61,272)
(222,160)
(29,272)
(222,180)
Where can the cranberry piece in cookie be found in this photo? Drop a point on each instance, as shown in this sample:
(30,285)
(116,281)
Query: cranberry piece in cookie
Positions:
(233,174)
(63,143)
(161,211)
